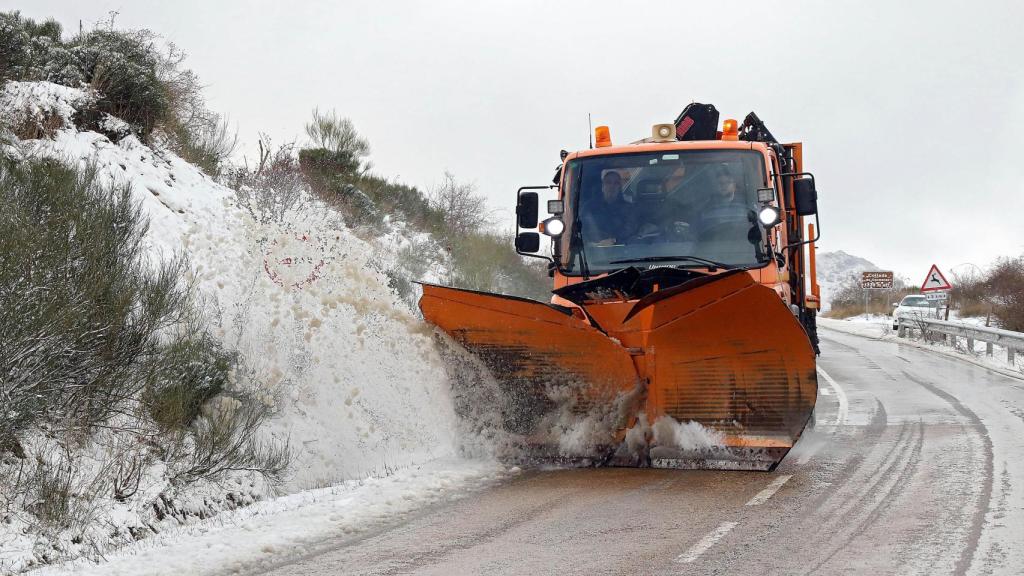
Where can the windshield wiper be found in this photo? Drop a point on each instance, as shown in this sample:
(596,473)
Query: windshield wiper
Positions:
(711,264)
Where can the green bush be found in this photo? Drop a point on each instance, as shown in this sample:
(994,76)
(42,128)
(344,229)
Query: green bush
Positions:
(338,135)
(408,203)
(98,338)
(325,167)
(79,306)
(122,66)
(186,374)
(486,261)
(29,50)
(138,78)
(331,175)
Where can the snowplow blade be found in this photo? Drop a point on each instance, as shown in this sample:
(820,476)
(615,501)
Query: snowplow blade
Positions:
(721,351)
(532,349)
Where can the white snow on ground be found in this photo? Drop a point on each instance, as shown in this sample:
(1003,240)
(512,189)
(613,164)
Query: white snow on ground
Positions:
(879,327)
(355,377)
(40,103)
(266,533)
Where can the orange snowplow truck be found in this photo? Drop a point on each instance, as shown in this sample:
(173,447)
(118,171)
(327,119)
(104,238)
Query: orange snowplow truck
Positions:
(683,289)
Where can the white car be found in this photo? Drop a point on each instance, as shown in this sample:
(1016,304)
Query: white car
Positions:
(911,307)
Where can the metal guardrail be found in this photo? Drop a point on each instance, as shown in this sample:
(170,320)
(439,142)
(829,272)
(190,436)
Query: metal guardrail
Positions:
(1012,341)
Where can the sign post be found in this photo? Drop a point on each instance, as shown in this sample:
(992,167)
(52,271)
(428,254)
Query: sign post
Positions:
(936,288)
(874,280)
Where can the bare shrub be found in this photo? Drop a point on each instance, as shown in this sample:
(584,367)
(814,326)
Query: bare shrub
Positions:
(1005,283)
(62,493)
(226,438)
(208,144)
(53,484)
(34,128)
(460,206)
(272,188)
(969,295)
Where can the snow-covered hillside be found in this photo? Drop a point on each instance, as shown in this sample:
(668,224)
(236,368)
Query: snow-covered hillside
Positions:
(834,268)
(357,384)
(353,371)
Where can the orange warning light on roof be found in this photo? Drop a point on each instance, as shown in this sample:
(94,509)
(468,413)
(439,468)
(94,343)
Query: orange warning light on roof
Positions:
(730,130)
(603,136)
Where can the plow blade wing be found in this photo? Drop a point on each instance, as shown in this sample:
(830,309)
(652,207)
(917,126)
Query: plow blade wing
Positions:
(532,348)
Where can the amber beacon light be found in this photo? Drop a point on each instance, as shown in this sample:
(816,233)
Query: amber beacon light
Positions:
(730,130)
(603,136)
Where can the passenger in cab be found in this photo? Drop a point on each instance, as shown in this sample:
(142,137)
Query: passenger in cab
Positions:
(608,218)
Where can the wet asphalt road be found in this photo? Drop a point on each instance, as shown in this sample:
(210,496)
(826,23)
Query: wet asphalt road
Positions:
(915,466)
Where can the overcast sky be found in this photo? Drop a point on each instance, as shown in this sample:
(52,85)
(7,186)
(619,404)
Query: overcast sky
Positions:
(910,112)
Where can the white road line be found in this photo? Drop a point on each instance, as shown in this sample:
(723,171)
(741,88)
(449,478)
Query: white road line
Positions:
(706,543)
(826,392)
(769,491)
(844,405)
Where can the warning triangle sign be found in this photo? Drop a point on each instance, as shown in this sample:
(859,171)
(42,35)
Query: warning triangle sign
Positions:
(935,281)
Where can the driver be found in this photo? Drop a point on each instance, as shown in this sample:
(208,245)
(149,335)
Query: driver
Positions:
(607,218)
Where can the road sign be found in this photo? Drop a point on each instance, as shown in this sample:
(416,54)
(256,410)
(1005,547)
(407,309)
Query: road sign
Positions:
(937,296)
(935,281)
(876,280)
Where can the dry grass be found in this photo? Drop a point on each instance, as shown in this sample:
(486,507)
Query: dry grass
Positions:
(847,310)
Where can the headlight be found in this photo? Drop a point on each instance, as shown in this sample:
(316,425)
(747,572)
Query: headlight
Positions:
(553,227)
(769,216)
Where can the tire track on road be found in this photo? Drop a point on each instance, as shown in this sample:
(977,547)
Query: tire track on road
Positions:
(978,521)
(890,481)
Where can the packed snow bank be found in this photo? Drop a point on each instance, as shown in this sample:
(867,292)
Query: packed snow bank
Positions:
(267,533)
(880,328)
(44,105)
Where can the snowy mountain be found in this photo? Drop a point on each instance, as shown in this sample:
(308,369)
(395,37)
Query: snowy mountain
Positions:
(834,268)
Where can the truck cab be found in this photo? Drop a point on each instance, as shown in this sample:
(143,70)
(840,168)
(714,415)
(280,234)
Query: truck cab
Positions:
(673,210)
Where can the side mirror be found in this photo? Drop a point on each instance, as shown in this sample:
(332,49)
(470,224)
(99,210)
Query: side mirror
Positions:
(528,241)
(526,211)
(805,196)
(895,304)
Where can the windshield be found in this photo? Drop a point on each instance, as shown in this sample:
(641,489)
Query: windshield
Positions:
(676,208)
(916,301)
